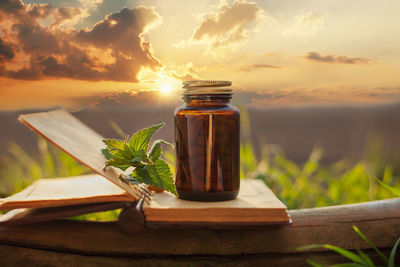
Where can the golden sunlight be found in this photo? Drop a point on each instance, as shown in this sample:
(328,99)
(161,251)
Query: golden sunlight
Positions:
(166,89)
(166,83)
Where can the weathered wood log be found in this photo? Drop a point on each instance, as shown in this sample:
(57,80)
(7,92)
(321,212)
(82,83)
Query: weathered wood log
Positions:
(66,242)
(131,220)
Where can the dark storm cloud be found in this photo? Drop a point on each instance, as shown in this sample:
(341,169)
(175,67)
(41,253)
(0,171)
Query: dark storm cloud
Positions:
(336,59)
(113,49)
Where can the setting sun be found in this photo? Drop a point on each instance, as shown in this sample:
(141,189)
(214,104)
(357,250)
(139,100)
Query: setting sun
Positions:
(166,83)
(166,89)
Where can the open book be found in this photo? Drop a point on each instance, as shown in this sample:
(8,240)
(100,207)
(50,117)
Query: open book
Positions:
(63,197)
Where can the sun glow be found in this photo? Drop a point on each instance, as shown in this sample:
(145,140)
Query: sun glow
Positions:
(166,84)
(162,81)
(166,89)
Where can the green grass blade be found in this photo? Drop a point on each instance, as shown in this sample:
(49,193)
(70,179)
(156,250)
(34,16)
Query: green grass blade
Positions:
(383,257)
(313,263)
(117,129)
(346,253)
(393,254)
(366,258)
(393,190)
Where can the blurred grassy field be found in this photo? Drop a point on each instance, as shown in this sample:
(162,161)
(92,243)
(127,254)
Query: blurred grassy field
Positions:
(298,185)
(313,184)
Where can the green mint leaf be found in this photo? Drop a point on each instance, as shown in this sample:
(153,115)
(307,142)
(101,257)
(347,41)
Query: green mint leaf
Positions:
(120,154)
(128,151)
(158,175)
(114,153)
(114,143)
(140,156)
(140,140)
(122,164)
(106,153)
(155,150)
(116,148)
(133,152)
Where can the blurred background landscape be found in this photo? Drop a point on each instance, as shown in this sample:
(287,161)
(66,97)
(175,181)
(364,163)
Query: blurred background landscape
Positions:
(341,132)
(309,156)
(316,82)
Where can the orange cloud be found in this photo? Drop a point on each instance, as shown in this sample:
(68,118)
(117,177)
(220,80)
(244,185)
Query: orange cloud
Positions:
(336,59)
(228,26)
(50,51)
(62,14)
(6,53)
(184,72)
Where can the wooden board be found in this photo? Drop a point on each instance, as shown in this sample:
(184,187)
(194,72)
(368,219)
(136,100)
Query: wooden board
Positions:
(27,256)
(66,191)
(75,138)
(255,204)
(66,242)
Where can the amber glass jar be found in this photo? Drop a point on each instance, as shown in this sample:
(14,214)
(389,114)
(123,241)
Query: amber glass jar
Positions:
(207,142)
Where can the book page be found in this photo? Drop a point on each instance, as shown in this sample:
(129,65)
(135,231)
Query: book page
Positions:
(78,140)
(66,191)
(35,215)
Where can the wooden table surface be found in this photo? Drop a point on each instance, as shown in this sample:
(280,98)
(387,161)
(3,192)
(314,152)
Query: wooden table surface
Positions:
(84,243)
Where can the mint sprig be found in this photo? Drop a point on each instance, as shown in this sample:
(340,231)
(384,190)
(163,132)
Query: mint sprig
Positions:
(149,167)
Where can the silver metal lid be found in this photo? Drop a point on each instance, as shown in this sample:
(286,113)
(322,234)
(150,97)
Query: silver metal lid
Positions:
(207,87)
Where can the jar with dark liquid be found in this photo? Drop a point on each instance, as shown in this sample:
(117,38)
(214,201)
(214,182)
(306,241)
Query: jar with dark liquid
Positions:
(207,135)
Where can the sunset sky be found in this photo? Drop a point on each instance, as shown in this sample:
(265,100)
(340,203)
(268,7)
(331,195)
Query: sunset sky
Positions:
(277,53)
